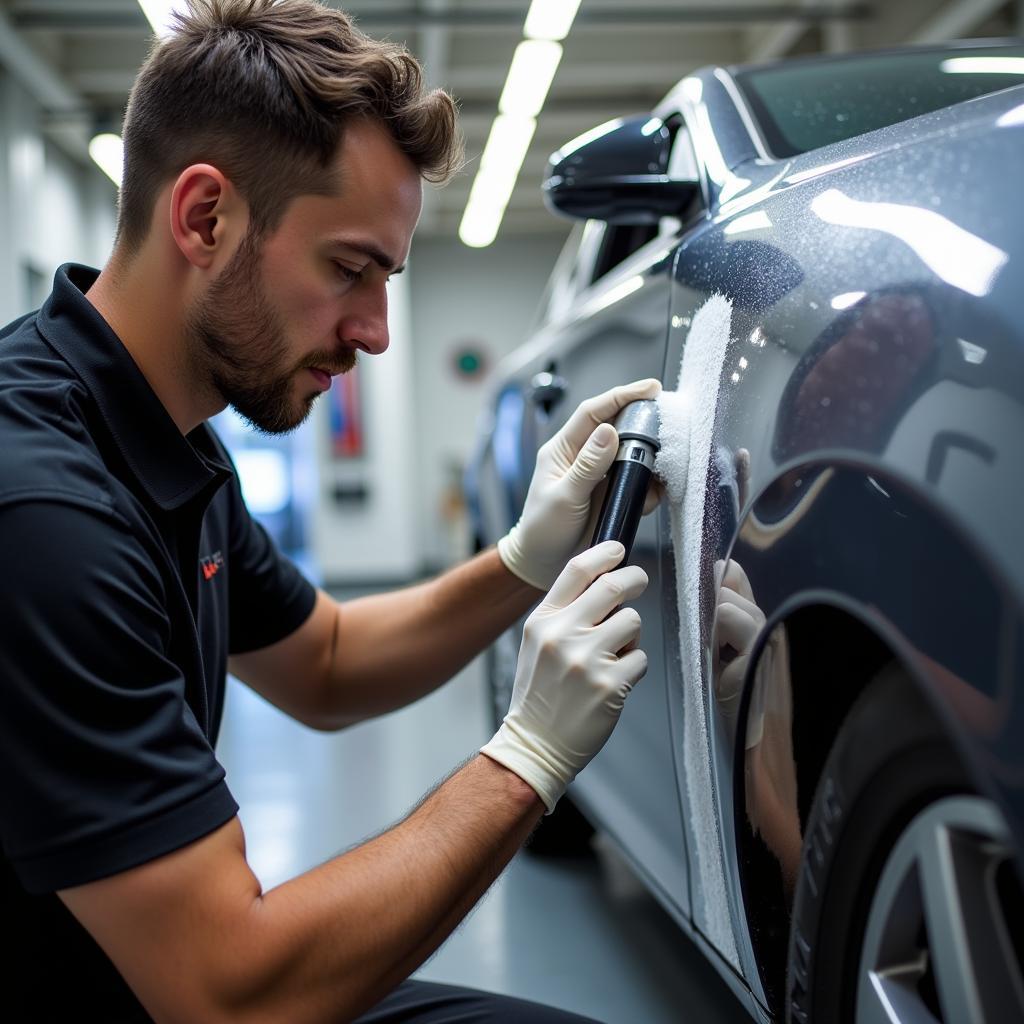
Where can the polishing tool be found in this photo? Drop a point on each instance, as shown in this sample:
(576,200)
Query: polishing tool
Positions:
(639,441)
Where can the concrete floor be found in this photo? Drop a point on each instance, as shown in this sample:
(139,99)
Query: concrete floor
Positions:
(583,935)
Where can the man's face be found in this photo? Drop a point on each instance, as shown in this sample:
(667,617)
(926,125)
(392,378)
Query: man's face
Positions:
(293,309)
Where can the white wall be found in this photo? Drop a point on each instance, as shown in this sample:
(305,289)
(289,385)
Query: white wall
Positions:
(52,209)
(420,415)
(375,539)
(485,296)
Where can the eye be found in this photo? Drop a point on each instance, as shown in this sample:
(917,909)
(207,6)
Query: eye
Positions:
(348,273)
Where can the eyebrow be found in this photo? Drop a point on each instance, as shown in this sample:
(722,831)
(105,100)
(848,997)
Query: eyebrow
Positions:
(381,258)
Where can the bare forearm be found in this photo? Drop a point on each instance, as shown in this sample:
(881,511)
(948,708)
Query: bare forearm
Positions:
(335,940)
(394,648)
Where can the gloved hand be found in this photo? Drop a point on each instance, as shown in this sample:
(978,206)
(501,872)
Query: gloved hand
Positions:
(570,465)
(577,664)
(738,624)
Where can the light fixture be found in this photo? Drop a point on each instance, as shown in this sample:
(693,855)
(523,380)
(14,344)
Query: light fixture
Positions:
(526,88)
(107,152)
(529,77)
(503,155)
(160,12)
(550,19)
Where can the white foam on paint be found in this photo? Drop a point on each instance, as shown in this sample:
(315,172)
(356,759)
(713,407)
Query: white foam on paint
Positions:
(687,435)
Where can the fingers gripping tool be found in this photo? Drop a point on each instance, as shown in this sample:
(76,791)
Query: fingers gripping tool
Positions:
(628,479)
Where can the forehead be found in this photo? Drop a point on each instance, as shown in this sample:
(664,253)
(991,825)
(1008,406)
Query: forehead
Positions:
(379,200)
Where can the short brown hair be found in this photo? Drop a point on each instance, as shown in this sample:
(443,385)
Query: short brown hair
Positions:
(262,89)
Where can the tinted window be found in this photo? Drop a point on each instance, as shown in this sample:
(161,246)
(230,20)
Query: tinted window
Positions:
(806,104)
(620,241)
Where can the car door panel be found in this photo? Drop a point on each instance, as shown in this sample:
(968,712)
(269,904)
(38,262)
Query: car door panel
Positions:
(618,334)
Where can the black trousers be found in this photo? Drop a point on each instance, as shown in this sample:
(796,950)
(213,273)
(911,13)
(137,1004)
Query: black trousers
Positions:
(423,1002)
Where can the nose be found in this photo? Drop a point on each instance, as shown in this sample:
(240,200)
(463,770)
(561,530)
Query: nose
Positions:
(365,324)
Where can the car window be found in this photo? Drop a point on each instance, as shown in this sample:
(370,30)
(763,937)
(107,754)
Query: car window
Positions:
(561,284)
(572,271)
(804,104)
(620,241)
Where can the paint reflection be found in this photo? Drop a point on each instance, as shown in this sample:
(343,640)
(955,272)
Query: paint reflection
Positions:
(769,765)
(959,257)
(851,386)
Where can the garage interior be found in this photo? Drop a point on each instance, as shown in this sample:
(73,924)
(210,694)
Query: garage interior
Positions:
(384,506)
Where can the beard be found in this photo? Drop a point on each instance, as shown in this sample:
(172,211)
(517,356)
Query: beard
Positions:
(236,344)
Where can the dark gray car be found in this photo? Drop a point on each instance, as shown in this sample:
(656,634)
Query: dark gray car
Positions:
(822,776)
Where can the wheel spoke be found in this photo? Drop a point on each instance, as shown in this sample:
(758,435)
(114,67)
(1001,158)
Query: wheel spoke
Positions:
(936,946)
(975,972)
(944,913)
(888,998)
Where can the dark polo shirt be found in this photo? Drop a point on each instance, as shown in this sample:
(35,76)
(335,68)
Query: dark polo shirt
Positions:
(131,570)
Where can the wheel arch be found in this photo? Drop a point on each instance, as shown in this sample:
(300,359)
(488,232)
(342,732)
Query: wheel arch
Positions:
(827,605)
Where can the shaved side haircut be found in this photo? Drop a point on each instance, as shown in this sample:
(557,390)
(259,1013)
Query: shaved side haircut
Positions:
(262,90)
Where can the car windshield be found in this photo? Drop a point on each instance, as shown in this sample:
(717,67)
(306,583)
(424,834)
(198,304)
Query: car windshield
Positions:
(806,104)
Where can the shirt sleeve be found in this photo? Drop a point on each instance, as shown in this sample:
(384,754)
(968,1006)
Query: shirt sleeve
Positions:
(104,765)
(268,596)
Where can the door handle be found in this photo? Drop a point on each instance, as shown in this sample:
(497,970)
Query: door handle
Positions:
(547,390)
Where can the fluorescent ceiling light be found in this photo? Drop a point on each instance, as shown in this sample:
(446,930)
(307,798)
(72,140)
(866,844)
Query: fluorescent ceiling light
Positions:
(526,88)
(492,188)
(529,78)
(159,13)
(107,151)
(550,19)
(983,65)
(507,144)
(482,218)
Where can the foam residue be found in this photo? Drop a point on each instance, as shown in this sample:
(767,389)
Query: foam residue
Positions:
(687,436)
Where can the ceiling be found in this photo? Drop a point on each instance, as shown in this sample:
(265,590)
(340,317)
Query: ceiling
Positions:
(80,57)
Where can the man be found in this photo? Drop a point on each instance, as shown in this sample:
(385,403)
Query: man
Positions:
(273,165)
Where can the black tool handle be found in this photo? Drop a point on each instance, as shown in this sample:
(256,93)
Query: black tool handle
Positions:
(623,504)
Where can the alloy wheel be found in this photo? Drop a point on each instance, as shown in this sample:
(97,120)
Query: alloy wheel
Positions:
(943,941)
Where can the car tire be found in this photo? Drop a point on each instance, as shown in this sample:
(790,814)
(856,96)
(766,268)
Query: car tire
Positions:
(908,903)
(564,833)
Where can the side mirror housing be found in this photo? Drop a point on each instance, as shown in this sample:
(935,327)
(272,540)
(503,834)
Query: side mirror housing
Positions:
(617,173)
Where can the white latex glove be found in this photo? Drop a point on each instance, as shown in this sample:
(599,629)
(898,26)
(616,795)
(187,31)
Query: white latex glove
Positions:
(577,664)
(569,466)
(738,624)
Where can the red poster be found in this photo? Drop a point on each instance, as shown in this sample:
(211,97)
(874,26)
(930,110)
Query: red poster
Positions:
(346,417)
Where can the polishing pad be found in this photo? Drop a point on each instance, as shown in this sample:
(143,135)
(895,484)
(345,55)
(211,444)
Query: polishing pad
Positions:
(687,440)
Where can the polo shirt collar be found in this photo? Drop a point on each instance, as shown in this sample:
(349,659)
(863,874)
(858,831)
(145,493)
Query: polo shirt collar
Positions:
(169,465)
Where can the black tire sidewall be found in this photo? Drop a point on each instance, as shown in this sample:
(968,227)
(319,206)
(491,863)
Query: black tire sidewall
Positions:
(890,760)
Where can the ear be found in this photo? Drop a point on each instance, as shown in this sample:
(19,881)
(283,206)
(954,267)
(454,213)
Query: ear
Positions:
(208,217)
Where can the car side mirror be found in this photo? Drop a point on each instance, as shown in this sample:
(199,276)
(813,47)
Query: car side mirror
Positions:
(619,173)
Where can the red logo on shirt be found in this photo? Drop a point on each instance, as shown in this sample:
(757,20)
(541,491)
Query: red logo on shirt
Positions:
(210,564)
